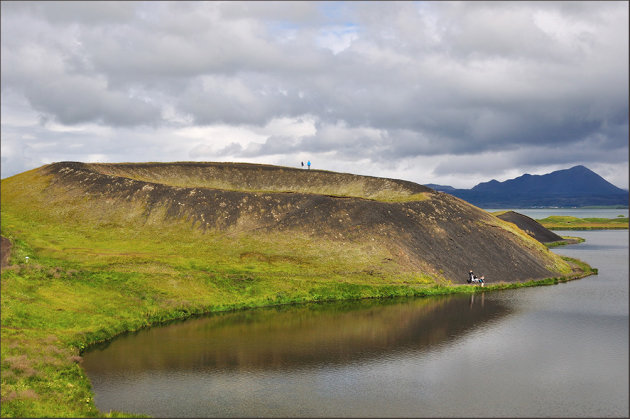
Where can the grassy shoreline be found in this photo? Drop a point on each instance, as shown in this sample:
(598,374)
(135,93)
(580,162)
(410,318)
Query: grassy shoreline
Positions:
(560,222)
(566,240)
(50,316)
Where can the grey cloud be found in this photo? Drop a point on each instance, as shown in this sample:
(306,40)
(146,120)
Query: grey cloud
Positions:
(275,11)
(226,100)
(337,139)
(65,12)
(592,151)
(374,83)
(190,41)
(233,149)
(413,79)
(79,99)
(273,145)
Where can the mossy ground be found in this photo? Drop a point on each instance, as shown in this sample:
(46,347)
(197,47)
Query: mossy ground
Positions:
(566,240)
(85,284)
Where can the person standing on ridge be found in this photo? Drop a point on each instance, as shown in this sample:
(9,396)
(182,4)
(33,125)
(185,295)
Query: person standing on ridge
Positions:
(302,164)
(309,164)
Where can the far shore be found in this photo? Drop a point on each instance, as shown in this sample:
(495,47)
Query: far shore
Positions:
(559,222)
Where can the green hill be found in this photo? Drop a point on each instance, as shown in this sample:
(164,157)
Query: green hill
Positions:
(332,223)
(116,247)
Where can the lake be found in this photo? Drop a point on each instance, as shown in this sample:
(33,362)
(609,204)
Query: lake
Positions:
(546,351)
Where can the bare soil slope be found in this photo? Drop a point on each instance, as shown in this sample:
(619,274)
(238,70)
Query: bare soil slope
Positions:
(530,226)
(423,230)
(5,248)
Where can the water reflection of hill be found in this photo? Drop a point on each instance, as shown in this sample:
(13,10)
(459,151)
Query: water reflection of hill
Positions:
(296,336)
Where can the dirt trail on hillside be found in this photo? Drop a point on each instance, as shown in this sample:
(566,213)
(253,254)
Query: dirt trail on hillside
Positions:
(5,249)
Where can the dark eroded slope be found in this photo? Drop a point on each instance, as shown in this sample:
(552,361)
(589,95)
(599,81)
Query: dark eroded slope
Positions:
(530,226)
(428,231)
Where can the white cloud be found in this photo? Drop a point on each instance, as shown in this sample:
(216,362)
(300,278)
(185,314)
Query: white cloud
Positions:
(96,158)
(337,39)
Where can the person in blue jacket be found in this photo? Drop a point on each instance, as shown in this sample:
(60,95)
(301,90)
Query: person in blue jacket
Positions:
(308,164)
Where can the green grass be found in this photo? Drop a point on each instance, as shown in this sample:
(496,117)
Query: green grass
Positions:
(61,302)
(88,283)
(558,222)
(566,240)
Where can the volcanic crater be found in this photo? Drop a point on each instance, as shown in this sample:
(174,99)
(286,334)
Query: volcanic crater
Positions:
(422,230)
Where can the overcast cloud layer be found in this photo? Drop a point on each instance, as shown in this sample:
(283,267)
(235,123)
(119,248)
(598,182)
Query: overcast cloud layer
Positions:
(432,92)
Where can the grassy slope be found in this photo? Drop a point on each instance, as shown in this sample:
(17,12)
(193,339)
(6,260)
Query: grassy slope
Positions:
(87,283)
(558,222)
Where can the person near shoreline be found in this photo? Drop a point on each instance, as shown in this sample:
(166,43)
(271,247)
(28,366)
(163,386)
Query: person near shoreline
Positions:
(309,164)
(473,279)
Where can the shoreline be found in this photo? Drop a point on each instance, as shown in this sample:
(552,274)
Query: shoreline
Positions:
(581,270)
(64,373)
(566,240)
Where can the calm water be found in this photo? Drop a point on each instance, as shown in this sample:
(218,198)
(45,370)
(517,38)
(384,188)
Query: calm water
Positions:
(540,213)
(548,351)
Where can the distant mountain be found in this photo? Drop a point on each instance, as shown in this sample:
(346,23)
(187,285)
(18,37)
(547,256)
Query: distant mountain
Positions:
(441,188)
(574,187)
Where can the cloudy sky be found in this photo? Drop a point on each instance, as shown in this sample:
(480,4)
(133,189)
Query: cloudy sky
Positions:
(432,92)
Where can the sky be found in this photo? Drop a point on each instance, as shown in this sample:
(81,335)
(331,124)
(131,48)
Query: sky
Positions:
(451,93)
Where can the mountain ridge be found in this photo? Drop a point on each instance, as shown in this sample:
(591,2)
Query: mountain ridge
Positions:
(574,187)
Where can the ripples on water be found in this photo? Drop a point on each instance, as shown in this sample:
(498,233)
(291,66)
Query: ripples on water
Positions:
(547,351)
